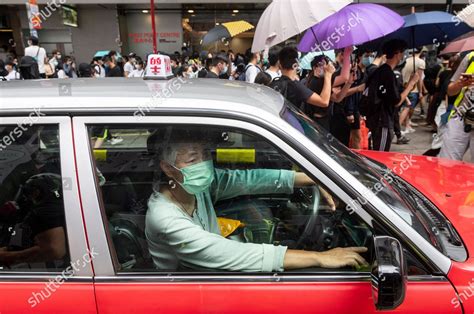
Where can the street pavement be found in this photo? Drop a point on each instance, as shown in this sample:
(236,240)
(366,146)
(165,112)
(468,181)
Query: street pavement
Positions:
(420,141)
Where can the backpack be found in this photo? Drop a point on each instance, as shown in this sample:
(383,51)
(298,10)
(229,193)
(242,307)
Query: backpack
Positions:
(29,69)
(243,75)
(280,84)
(370,104)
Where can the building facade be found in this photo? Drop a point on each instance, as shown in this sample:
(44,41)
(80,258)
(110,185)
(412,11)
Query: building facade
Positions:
(125,26)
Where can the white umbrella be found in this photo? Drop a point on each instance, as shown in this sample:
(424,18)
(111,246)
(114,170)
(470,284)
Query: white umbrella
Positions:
(283,19)
(467,15)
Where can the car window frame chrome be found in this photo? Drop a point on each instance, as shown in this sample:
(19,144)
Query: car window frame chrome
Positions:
(75,233)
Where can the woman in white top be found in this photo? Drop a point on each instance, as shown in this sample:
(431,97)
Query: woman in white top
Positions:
(139,71)
(12,73)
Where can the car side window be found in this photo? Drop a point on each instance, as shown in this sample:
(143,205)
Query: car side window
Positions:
(33,233)
(206,198)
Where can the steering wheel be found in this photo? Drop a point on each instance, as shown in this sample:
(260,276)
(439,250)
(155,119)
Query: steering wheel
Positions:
(311,223)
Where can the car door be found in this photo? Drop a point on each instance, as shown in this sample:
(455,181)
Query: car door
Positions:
(117,181)
(45,266)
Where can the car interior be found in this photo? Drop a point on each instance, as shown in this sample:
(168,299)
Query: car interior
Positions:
(300,221)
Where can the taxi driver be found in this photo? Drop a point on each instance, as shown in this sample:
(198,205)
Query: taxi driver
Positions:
(181,222)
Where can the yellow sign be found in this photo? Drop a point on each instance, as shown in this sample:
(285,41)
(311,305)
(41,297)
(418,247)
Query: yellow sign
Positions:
(236,155)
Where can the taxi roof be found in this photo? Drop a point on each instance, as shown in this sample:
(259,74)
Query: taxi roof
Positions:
(128,94)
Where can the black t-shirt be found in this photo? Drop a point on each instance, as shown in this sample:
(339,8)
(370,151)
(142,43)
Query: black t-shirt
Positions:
(114,72)
(316,84)
(297,93)
(212,75)
(351,103)
(370,69)
(385,82)
(202,73)
(444,80)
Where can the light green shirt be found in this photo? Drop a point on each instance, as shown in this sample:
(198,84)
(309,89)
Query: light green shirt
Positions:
(175,238)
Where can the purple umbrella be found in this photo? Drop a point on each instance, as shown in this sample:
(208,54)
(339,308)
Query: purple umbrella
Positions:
(353,25)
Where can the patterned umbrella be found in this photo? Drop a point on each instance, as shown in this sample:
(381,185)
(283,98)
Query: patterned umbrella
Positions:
(226,30)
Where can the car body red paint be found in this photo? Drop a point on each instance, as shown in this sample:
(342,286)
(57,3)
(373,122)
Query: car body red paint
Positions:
(450,186)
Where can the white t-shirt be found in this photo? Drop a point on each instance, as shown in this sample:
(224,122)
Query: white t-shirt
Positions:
(99,71)
(128,67)
(39,54)
(137,73)
(407,71)
(13,75)
(62,74)
(273,74)
(251,73)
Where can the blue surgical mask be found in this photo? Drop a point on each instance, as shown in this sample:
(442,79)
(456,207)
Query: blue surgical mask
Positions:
(366,61)
(197,178)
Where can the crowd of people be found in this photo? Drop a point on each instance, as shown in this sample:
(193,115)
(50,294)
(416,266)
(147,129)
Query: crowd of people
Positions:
(368,91)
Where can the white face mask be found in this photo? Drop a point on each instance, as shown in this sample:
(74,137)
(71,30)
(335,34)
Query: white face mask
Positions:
(224,69)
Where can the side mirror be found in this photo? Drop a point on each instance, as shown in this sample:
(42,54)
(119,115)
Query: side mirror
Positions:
(389,273)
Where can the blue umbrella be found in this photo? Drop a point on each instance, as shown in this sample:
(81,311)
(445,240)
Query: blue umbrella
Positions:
(426,28)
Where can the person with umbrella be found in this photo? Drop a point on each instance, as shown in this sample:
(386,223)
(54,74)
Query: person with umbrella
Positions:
(459,136)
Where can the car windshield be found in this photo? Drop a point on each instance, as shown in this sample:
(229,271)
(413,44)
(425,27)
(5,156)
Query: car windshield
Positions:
(378,180)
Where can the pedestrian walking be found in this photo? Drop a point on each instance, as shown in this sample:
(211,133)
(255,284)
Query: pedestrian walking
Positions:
(37,53)
(416,94)
(381,96)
